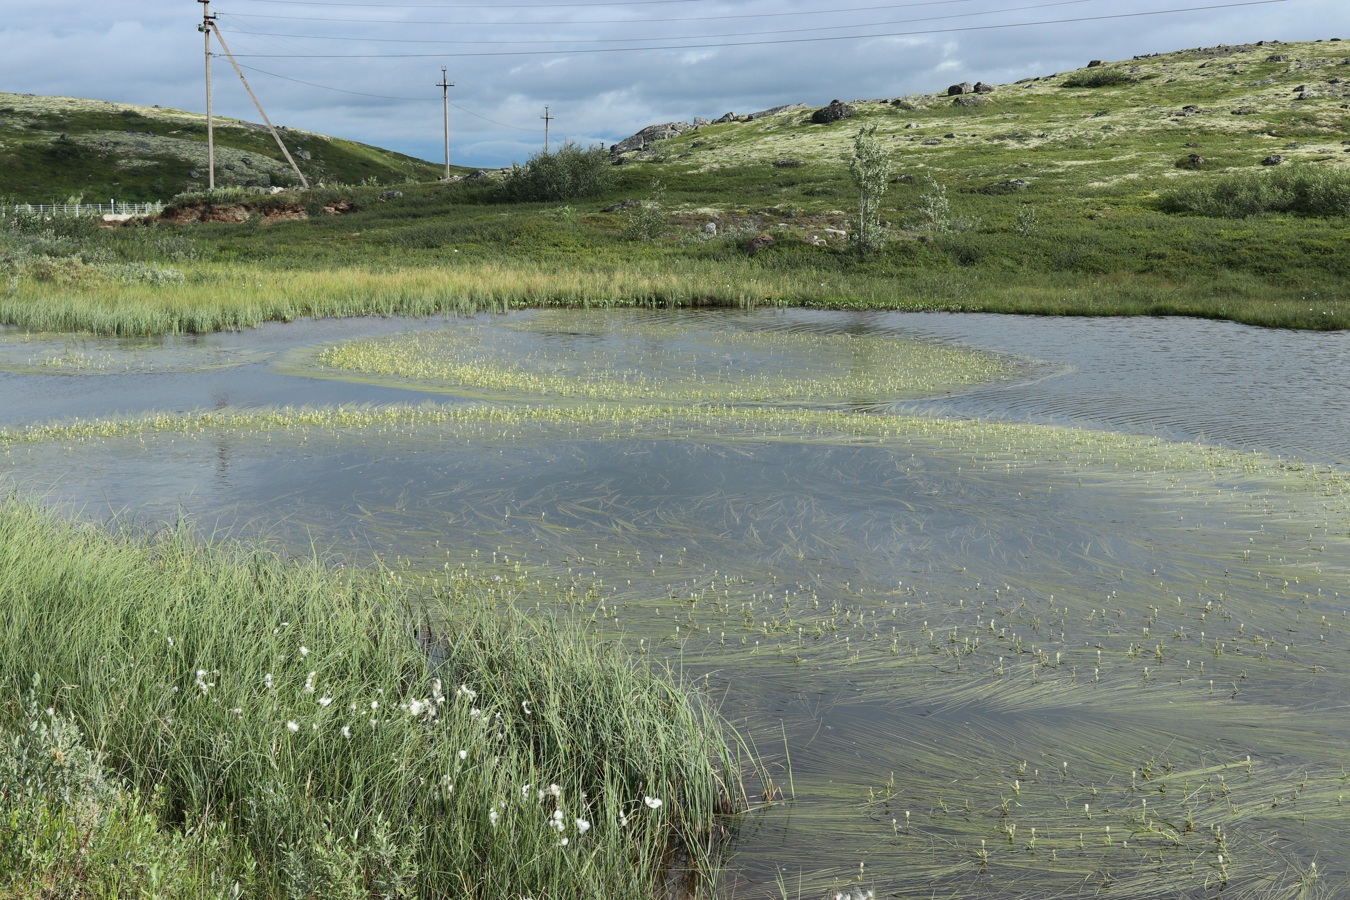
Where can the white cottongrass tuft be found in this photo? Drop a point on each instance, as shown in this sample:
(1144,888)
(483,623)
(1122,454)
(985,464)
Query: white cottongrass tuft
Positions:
(652,802)
(292,727)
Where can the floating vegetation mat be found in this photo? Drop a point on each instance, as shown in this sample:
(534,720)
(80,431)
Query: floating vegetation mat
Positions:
(982,659)
(636,356)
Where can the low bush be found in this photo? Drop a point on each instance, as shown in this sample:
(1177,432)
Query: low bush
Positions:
(564,174)
(1096,78)
(1301,190)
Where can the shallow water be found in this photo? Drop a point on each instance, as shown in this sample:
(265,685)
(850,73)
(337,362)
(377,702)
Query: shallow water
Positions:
(940,638)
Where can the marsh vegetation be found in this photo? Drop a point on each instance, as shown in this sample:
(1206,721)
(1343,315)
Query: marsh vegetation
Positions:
(1021,659)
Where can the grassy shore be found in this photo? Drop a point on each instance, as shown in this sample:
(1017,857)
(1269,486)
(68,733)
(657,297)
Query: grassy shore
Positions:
(189,720)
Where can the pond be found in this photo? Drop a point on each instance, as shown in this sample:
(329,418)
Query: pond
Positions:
(1010,607)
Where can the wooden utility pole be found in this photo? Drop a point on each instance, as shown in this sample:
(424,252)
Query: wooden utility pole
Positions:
(547,118)
(240,72)
(205,29)
(445,86)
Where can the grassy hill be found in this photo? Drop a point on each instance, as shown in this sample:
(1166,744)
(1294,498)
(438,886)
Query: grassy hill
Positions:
(55,147)
(1209,182)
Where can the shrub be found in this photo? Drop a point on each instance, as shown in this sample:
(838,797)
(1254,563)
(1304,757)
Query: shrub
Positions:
(565,174)
(870,170)
(1303,191)
(1095,78)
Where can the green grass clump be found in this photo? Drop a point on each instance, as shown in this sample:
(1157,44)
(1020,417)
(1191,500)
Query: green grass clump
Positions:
(1098,77)
(1301,191)
(304,732)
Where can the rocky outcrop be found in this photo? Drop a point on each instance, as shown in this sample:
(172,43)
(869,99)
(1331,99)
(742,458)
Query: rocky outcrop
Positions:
(836,111)
(957,90)
(649,135)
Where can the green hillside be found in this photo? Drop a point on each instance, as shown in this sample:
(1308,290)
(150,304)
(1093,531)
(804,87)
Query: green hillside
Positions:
(55,147)
(1208,182)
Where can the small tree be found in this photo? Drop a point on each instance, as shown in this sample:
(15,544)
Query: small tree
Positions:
(870,170)
(565,174)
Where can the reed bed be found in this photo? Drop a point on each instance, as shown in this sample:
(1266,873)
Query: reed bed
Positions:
(280,728)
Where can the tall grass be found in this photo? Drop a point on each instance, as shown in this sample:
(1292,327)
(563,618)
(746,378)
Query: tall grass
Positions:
(311,734)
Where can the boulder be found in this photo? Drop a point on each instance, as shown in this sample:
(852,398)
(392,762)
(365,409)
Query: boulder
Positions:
(728,117)
(836,111)
(758,243)
(647,136)
(957,90)
(982,88)
(1095,63)
(1273,160)
(973,100)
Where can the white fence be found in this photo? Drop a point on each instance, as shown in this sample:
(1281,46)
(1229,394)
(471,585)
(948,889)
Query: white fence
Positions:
(111,208)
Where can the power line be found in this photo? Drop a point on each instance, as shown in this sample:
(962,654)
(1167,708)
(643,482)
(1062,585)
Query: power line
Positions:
(325,87)
(678,37)
(478,5)
(782,41)
(537,22)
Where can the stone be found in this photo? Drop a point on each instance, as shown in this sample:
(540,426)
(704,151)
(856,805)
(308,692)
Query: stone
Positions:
(758,243)
(982,88)
(789,163)
(1245,111)
(836,111)
(1095,63)
(648,136)
(1273,160)
(391,195)
(974,100)
(710,228)
(933,142)
(957,90)
(728,117)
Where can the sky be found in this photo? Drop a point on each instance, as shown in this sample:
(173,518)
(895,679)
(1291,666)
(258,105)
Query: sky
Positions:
(369,70)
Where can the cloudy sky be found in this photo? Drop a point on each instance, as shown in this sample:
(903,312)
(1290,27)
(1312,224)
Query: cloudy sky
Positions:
(368,69)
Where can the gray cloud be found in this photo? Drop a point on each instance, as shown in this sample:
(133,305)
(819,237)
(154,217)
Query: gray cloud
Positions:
(149,52)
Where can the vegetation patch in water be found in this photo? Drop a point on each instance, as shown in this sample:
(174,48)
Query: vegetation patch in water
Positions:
(620,357)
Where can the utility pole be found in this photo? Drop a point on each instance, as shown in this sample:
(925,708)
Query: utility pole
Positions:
(304,182)
(445,86)
(547,118)
(205,29)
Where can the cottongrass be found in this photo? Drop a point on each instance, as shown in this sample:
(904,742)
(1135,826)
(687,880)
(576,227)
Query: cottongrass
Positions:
(305,720)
